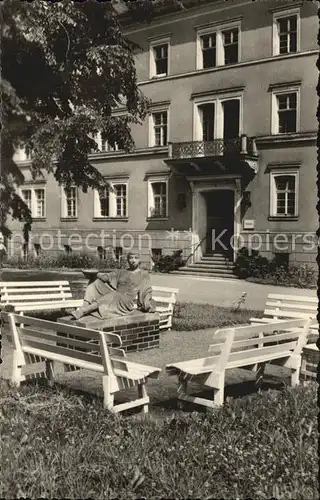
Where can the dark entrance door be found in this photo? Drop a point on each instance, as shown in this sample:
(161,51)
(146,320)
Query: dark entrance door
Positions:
(220,221)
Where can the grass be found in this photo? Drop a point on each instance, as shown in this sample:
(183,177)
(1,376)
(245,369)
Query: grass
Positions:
(189,316)
(289,283)
(58,444)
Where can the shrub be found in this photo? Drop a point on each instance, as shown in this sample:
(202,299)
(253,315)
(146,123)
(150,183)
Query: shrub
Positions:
(299,276)
(59,445)
(70,261)
(252,266)
(168,263)
(250,263)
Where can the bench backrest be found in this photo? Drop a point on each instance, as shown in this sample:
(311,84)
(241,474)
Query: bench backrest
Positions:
(243,345)
(164,296)
(290,306)
(68,344)
(20,292)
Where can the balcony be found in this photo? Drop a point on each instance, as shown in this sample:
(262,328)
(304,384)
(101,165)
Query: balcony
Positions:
(218,147)
(210,156)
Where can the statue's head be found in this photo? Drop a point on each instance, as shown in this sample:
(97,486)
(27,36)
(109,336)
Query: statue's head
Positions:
(134,259)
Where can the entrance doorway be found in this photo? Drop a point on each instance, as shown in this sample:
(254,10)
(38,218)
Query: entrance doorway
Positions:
(220,221)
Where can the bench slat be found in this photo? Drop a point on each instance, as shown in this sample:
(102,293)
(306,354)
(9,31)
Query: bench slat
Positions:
(17,298)
(9,284)
(284,314)
(248,330)
(258,340)
(47,305)
(53,337)
(68,360)
(165,289)
(46,349)
(295,298)
(286,305)
(261,351)
(12,291)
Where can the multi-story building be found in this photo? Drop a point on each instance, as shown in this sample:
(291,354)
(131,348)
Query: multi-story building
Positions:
(227,157)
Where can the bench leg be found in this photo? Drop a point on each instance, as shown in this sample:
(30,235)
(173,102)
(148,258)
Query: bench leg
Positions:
(219,391)
(50,372)
(142,393)
(182,389)
(108,398)
(16,376)
(260,368)
(295,376)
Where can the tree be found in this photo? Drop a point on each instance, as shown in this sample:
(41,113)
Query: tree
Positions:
(65,67)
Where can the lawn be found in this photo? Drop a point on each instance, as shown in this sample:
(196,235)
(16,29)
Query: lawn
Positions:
(59,444)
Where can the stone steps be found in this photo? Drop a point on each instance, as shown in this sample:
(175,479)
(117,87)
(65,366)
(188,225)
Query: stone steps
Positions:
(215,265)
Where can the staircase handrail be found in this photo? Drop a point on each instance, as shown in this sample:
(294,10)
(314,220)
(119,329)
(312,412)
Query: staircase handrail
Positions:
(199,243)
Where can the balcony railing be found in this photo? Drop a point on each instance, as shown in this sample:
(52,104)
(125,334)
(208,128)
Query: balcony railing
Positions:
(218,147)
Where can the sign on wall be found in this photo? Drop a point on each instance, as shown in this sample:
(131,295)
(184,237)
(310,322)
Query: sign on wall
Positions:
(248,224)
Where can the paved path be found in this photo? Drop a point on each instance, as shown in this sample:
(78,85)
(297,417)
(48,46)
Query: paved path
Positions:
(216,291)
(223,292)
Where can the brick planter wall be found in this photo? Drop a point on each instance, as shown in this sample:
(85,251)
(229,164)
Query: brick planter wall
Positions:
(138,331)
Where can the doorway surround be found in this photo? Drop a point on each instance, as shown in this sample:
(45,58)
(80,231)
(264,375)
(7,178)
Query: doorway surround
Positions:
(204,184)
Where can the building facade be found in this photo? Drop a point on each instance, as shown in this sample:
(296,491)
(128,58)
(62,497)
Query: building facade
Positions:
(227,157)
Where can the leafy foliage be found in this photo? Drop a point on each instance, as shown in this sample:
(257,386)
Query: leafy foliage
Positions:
(63,261)
(65,67)
(168,263)
(252,266)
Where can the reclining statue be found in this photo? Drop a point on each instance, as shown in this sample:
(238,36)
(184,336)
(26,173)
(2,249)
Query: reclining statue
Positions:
(115,293)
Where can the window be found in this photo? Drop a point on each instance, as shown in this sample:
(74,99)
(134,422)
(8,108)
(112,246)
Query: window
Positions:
(158,198)
(207,115)
(67,249)
(113,201)
(209,48)
(105,146)
(27,196)
(218,118)
(218,46)
(34,197)
(102,253)
(118,253)
(159,58)
(282,260)
(286,32)
(159,132)
(230,46)
(285,112)
(284,194)
(70,202)
(37,249)
(40,202)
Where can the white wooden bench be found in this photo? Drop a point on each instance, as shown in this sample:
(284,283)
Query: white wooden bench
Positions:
(37,295)
(246,347)
(165,299)
(88,349)
(289,307)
